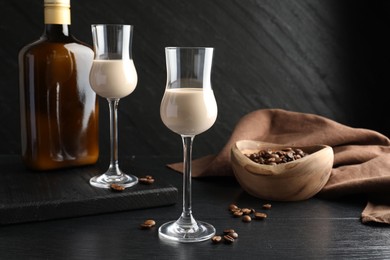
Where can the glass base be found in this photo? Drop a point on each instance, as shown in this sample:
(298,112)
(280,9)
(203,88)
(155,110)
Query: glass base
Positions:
(198,232)
(105,180)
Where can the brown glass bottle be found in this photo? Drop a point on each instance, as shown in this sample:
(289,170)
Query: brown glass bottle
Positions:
(58,108)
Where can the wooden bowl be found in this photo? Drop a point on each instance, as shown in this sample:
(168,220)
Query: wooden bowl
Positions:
(290,181)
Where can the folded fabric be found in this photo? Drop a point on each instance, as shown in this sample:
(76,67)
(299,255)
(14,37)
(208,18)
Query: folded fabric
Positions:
(361,156)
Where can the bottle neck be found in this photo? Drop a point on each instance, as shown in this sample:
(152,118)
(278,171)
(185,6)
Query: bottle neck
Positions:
(57,30)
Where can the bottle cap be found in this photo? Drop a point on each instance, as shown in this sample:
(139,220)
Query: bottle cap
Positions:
(64,3)
(57,11)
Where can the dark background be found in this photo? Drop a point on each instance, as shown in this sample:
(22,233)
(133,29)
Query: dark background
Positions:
(328,57)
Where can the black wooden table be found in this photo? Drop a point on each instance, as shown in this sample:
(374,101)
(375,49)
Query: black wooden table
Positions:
(311,229)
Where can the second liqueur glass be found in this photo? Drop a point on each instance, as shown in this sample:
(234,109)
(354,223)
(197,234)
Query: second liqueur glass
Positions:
(188,108)
(113,76)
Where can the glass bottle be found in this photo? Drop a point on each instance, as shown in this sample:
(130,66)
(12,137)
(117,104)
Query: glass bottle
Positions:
(58,108)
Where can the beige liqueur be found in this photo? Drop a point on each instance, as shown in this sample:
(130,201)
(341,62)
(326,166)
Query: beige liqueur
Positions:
(188,111)
(113,78)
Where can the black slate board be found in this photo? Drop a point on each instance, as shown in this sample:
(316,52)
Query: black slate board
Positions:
(27,196)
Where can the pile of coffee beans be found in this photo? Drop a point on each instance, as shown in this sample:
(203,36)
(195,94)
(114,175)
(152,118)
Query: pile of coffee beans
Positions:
(274,157)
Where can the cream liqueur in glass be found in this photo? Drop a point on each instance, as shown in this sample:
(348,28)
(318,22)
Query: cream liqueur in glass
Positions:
(188,108)
(113,78)
(188,111)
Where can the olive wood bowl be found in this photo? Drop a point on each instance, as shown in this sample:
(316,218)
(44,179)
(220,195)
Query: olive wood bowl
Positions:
(289,181)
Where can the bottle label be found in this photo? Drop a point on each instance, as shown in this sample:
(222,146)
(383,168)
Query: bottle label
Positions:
(57,14)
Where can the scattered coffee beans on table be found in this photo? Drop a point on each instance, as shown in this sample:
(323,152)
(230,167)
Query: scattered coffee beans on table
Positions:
(274,157)
(247,214)
(229,236)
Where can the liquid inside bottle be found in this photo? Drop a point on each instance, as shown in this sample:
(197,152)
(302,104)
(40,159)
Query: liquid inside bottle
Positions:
(58,108)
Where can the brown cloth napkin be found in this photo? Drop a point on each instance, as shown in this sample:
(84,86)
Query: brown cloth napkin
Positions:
(361,156)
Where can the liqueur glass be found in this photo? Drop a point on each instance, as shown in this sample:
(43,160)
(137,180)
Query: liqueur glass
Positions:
(113,76)
(188,108)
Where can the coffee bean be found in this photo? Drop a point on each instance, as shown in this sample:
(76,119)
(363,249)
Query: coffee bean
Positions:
(232,207)
(228,239)
(237,214)
(117,187)
(216,239)
(148,224)
(267,206)
(146,180)
(233,235)
(260,215)
(246,218)
(246,211)
(145,226)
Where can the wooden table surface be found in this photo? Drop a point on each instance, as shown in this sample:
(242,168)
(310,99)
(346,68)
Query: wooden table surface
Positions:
(311,229)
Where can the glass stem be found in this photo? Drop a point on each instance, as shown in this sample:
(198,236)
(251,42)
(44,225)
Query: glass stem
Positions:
(113,106)
(186,219)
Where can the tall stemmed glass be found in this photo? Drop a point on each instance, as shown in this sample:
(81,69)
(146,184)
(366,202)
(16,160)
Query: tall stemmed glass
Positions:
(188,108)
(113,76)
